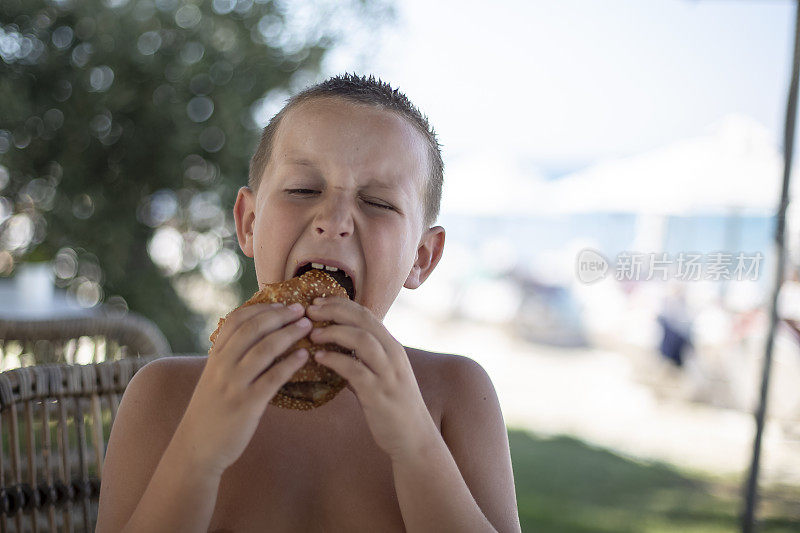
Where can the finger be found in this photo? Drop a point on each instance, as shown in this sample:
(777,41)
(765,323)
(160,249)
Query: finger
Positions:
(363,343)
(267,384)
(264,352)
(255,326)
(355,372)
(347,312)
(232,320)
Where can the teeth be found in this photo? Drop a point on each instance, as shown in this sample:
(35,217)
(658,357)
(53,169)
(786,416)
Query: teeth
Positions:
(320,266)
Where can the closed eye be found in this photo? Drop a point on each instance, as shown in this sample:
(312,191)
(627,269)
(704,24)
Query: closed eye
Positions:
(308,192)
(375,204)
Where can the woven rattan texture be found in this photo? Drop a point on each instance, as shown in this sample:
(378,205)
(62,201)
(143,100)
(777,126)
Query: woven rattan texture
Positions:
(29,342)
(56,416)
(55,422)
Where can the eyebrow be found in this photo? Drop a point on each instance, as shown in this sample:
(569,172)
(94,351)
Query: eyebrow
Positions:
(302,162)
(374,182)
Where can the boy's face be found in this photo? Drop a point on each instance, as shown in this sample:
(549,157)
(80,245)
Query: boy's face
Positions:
(343,187)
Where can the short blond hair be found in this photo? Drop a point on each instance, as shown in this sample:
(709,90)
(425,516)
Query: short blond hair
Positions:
(369,91)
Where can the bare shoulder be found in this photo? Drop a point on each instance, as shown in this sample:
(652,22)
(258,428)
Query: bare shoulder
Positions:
(431,362)
(445,379)
(151,409)
(473,428)
(180,371)
(452,376)
(168,383)
(184,365)
(155,399)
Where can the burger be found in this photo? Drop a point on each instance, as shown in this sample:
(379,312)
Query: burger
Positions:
(313,384)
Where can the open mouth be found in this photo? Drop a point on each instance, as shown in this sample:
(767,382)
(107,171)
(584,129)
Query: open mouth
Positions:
(337,274)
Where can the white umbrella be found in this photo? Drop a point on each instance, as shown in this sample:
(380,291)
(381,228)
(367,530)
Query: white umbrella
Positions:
(736,166)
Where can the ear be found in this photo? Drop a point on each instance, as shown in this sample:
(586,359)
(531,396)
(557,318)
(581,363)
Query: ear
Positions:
(429,252)
(245,215)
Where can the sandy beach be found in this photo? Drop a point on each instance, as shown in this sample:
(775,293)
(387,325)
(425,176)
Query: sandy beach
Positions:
(600,397)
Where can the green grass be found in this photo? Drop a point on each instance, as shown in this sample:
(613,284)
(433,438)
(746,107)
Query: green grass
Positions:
(565,485)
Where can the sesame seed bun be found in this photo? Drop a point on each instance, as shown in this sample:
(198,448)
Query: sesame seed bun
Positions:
(313,384)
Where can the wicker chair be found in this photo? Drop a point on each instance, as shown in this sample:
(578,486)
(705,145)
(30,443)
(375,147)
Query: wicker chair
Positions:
(56,416)
(88,339)
(56,420)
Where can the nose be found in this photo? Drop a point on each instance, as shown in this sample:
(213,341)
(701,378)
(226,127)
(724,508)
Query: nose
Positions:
(333,218)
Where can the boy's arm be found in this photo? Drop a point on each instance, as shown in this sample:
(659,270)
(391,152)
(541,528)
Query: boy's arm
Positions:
(200,420)
(180,496)
(463,480)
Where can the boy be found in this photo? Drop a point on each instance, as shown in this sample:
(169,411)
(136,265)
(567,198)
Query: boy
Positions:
(348,174)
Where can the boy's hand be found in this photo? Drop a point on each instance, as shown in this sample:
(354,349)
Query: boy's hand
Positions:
(383,380)
(235,387)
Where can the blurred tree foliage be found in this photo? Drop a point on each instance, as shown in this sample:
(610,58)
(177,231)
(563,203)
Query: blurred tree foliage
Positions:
(126,128)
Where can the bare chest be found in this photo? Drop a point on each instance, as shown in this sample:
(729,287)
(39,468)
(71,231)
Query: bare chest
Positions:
(311,471)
